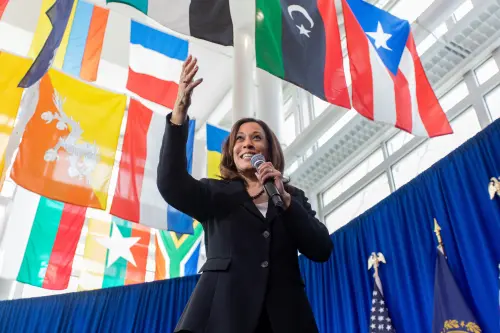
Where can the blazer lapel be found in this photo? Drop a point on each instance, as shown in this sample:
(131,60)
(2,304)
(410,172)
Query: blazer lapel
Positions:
(272,212)
(250,206)
(245,200)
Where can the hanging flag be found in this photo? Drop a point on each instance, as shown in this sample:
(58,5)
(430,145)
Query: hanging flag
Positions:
(115,254)
(155,66)
(208,20)
(44,234)
(380,320)
(389,84)
(299,42)
(177,255)
(137,198)
(80,50)
(215,139)
(12,69)
(3,5)
(68,147)
(58,15)
(451,312)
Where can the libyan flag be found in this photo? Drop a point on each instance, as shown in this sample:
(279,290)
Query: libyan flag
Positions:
(299,42)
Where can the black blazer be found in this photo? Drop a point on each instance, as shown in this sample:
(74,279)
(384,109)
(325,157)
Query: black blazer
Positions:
(252,261)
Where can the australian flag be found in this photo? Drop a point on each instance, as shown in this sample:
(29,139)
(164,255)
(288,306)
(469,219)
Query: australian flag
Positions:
(58,15)
(380,321)
(450,310)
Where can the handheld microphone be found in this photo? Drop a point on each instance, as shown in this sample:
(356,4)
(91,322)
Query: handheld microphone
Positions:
(269,186)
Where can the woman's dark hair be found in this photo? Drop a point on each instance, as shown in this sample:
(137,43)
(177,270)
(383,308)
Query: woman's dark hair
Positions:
(228,168)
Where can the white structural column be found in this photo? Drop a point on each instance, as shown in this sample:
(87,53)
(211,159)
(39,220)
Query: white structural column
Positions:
(270,102)
(243,62)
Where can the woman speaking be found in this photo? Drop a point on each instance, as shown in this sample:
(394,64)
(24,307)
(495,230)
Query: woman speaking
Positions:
(251,281)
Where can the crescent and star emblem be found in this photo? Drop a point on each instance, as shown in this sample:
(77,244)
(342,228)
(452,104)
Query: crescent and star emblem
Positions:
(300,9)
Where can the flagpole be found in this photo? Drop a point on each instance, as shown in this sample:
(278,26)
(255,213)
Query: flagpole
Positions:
(437,231)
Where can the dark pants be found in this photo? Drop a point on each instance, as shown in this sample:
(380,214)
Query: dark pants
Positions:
(264,325)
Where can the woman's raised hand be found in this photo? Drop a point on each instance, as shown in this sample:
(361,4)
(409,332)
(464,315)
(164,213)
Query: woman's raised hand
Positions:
(186,87)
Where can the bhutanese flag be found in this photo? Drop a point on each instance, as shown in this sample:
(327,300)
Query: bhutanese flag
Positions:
(208,20)
(68,147)
(115,254)
(215,140)
(80,51)
(177,255)
(44,234)
(137,198)
(299,41)
(53,21)
(12,69)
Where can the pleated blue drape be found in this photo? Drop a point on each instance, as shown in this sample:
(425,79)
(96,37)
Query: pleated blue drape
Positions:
(148,307)
(454,191)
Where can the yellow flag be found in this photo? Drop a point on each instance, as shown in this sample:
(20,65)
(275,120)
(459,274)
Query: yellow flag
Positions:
(69,145)
(12,70)
(43,29)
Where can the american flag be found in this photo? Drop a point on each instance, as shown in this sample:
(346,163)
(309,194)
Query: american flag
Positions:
(380,321)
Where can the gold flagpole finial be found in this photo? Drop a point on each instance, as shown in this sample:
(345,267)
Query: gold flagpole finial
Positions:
(437,231)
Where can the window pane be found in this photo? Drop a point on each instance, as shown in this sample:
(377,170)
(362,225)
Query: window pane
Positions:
(289,129)
(432,150)
(487,70)
(353,176)
(336,127)
(358,204)
(291,169)
(454,96)
(493,102)
(398,141)
(463,10)
(432,38)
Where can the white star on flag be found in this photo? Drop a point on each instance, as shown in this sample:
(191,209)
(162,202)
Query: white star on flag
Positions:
(118,246)
(380,37)
(303,30)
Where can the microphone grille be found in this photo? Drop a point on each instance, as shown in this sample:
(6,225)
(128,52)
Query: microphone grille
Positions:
(257,160)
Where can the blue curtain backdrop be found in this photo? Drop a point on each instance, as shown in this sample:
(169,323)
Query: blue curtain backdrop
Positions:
(454,191)
(147,307)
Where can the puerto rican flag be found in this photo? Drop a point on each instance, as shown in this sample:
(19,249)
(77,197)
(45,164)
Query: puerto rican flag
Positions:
(389,84)
(155,64)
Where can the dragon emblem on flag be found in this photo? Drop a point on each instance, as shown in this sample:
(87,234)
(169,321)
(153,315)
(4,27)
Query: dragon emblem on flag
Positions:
(83,157)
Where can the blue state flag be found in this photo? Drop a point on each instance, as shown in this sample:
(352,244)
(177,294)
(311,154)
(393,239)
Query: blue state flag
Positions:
(451,313)
(58,15)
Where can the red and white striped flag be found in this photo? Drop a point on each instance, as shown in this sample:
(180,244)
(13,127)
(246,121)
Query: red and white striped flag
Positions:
(388,80)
